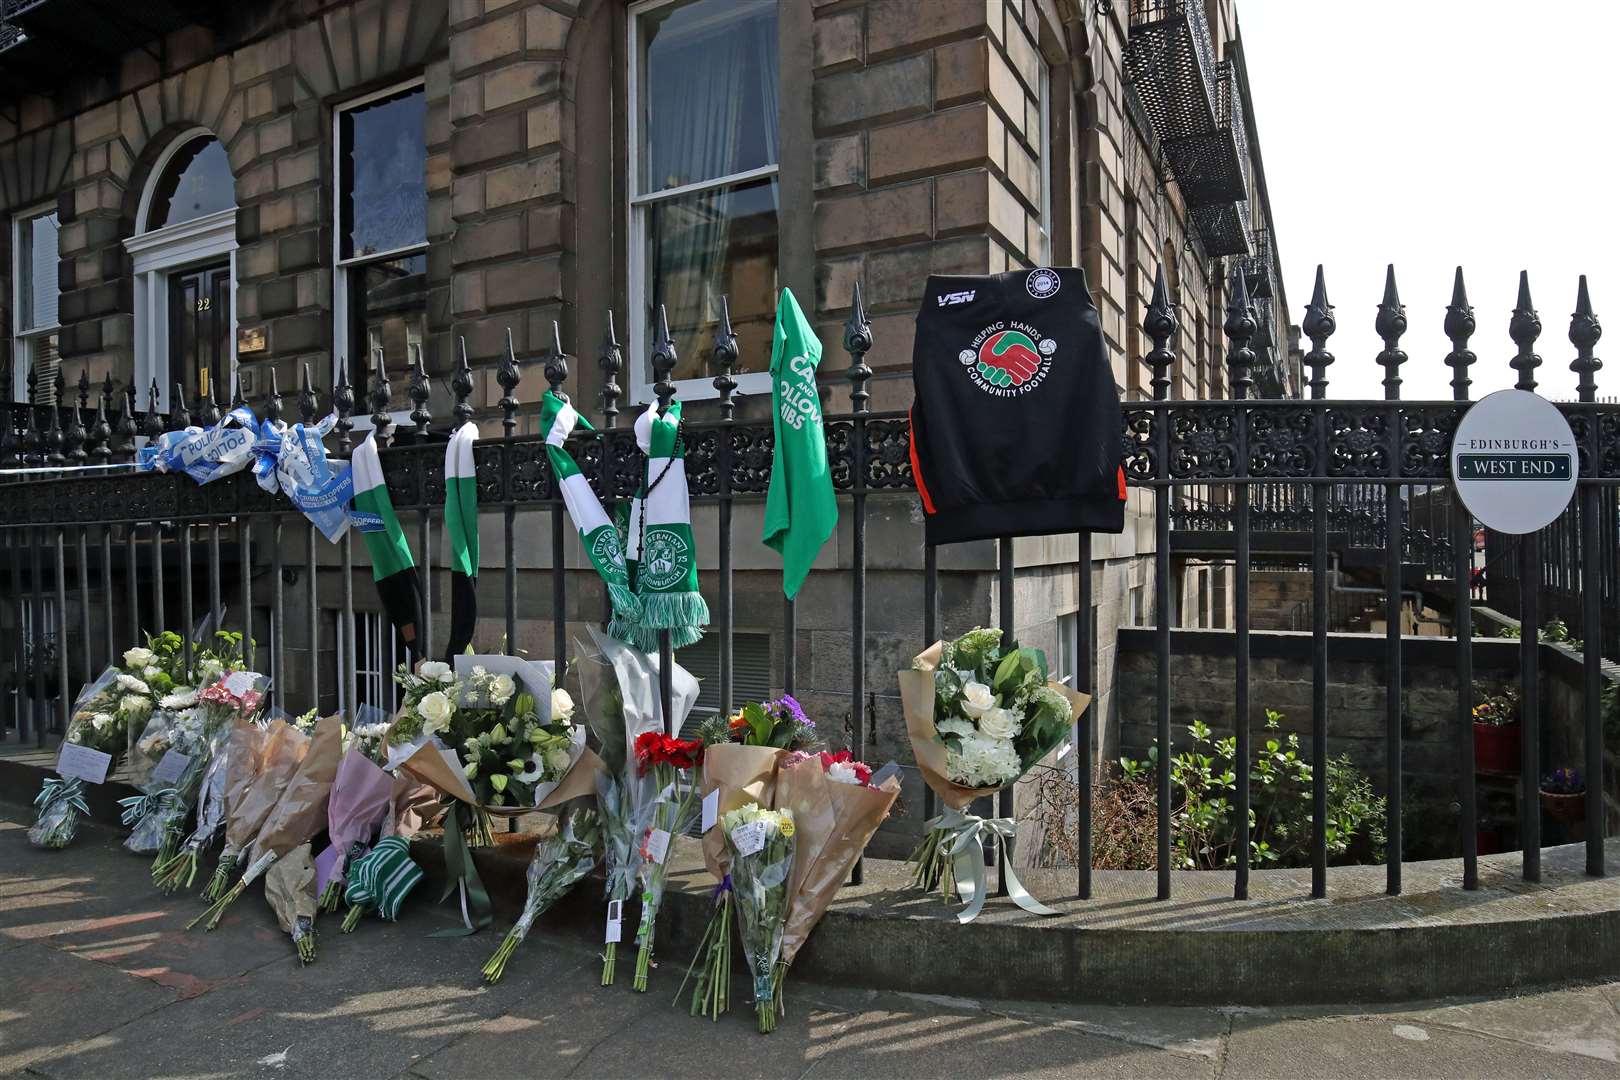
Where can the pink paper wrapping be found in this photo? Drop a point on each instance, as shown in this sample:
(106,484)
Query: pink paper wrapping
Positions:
(361,792)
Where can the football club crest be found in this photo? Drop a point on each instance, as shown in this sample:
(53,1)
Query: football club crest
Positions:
(1008,358)
(1042,283)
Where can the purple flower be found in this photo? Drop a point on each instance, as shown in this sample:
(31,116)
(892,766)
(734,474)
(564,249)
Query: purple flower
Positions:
(787,704)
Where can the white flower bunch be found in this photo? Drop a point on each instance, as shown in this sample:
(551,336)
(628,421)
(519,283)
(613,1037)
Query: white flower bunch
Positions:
(133,685)
(137,657)
(183,698)
(562,706)
(997,715)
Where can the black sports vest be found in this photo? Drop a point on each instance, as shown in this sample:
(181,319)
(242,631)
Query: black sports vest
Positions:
(1016,426)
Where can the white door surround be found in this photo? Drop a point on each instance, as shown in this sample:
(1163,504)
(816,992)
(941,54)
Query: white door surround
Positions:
(157,253)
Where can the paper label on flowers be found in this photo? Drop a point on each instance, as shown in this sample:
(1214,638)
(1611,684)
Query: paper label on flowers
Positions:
(658,846)
(748,837)
(239,683)
(711,809)
(84,763)
(171,768)
(615,922)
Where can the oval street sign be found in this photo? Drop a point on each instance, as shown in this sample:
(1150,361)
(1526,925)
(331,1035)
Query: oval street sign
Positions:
(1514,461)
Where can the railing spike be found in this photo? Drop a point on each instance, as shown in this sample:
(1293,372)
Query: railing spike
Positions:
(75,438)
(179,418)
(553,365)
(509,376)
(725,359)
(611,361)
(380,395)
(1319,325)
(307,401)
(461,384)
(125,427)
(100,435)
(53,430)
(1584,332)
(152,423)
(1159,323)
(1240,327)
(84,388)
(1390,325)
(421,391)
(272,400)
(664,359)
(1459,328)
(1524,328)
(108,388)
(343,404)
(857,342)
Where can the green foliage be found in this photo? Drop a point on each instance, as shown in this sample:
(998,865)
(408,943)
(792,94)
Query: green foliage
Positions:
(1203,781)
(1496,707)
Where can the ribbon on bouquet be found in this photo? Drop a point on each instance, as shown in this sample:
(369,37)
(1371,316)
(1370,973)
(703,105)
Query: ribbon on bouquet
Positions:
(136,807)
(57,789)
(964,839)
(463,877)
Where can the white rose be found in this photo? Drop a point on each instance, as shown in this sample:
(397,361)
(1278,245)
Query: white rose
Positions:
(999,723)
(557,760)
(436,709)
(843,772)
(562,706)
(152,671)
(976,698)
(501,689)
(137,657)
(100,720)
(133,704)
(435,671)
(133,685)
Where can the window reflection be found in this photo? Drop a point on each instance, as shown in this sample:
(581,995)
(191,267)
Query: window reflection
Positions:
(705,246)
(385,174)
(389,301)
(196,182)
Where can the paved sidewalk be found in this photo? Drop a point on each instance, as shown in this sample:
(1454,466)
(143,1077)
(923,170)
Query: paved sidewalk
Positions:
(98,977)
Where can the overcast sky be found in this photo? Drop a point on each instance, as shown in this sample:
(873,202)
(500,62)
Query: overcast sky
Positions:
(1438,133)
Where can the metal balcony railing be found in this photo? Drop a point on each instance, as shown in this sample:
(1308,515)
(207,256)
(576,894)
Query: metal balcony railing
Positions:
(1259,266)
(1171,62)
(1212,171)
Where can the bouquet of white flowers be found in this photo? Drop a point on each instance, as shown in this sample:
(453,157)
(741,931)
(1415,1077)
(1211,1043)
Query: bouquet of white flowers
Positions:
(761,845)
(96,739)
(559,861)
(980,714)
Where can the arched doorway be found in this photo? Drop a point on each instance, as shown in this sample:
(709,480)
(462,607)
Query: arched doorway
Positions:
(184,251)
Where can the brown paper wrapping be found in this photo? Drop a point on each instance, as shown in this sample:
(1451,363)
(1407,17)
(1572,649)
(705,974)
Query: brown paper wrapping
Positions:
(244,757)
(832,824)
(289,885)
(917,701)
(284,748)
(413,807)
(431,767)
(301,811)
(743,775)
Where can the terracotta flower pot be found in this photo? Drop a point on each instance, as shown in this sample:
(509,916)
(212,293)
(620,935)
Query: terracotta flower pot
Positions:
(1496,747)
(1565,808)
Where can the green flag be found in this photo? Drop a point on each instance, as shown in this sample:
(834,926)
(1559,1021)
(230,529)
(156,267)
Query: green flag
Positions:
(801,510)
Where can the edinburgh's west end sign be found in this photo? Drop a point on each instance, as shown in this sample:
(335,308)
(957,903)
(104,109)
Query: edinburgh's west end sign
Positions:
(1514,461)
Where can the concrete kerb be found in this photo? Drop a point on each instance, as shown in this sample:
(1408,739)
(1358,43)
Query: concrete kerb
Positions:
(1124,947)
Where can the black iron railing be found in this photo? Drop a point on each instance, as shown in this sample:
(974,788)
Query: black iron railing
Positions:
(1171,62)
(119,544)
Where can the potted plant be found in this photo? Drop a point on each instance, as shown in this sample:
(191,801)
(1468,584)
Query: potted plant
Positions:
(1563,795)
(1496,731)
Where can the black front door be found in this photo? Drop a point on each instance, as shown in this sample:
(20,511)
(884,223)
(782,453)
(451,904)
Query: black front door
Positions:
(199,322)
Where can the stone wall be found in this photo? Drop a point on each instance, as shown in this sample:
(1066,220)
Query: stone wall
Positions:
(1203,673)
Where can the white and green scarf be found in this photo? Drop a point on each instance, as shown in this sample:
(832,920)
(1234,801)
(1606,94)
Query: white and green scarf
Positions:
(660,552)
(600,539)
(461,536)
(392,567)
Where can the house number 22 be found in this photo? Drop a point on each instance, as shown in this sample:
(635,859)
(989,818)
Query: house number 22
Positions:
(204,303)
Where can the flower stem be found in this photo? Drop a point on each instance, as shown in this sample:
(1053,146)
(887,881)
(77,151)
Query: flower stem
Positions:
(352,919)
(217,909)
(178,872)
(496,967)
(222,878)
(332,898)
(608,957)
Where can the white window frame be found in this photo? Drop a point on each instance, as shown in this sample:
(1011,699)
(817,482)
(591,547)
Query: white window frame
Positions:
(22,285)
(641,381)
(1044,256)
(374,684)
(157,253)
(359,376)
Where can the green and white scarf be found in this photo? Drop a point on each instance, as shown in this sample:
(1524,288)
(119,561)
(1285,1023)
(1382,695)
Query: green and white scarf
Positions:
(392,566)
(558,420)
(383,877)
(660,552)
(461,535)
